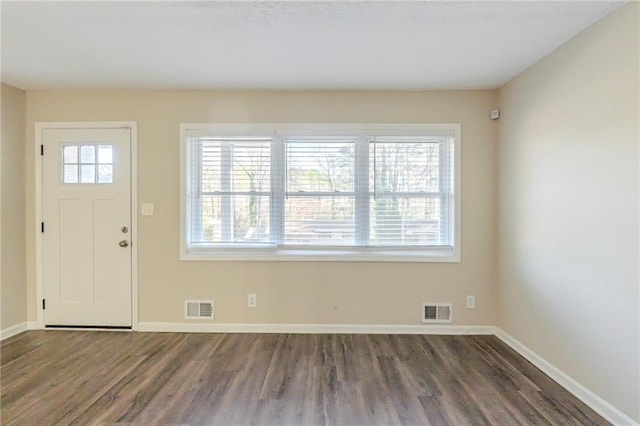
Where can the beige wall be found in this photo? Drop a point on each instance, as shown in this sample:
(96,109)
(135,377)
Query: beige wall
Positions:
(13,288)
(289,292)
(568,216)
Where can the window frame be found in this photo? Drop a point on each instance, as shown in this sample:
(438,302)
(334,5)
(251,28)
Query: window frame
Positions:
(281,131)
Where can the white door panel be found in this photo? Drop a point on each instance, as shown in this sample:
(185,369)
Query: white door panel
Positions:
(86,206)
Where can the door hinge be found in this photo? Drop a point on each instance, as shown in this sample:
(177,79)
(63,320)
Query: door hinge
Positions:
(42,227)
(44,305)
(41,149)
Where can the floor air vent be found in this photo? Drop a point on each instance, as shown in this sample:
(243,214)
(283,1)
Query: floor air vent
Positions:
(198,309)
(437,312)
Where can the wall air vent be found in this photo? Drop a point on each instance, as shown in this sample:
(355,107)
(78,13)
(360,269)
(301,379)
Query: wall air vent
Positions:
(198,309)
(437,312)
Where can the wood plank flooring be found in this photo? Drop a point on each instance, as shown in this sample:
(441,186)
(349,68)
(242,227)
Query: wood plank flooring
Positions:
(83,377)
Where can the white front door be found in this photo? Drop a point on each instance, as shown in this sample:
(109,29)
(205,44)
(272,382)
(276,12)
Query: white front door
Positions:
(86,209)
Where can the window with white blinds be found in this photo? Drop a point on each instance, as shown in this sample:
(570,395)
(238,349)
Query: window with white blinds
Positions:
(411,191)
(326,192)
(320,192)
(230,197)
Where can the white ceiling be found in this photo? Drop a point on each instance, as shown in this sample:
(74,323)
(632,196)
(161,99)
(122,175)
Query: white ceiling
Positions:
(283,45)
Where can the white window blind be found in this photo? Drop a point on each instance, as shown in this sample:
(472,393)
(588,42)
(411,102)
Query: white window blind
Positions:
(411,184)
(365,191)
(320,192)
(230,191)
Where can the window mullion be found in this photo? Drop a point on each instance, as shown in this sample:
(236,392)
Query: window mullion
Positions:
(444,187)
(277,190)
(226,167)
(362,191)
(195,149)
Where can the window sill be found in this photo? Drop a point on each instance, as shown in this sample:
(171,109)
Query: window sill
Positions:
(333,255)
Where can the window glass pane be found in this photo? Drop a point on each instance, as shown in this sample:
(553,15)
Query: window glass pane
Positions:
(70,154)
(251,166)
(406,221)
(235,166)
(207,220)
(211,167)
(105,154)
(87,154)
(404,166)
(87,173)
(247,219)
(70,174)
(250,218)
(320,166)
(105,173)
(323,220)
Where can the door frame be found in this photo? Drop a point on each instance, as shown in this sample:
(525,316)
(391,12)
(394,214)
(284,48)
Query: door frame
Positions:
(38,140)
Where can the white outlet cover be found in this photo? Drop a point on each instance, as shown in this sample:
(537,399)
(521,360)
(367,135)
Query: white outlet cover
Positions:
(146,209)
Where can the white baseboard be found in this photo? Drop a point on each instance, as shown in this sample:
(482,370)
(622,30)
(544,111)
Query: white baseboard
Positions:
(185,327)
(599,405)
(5,333)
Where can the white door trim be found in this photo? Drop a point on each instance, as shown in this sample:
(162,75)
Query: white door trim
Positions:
(39,127)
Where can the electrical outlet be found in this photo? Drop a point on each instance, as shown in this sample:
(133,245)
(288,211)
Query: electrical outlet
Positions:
(471,302)
(252,300)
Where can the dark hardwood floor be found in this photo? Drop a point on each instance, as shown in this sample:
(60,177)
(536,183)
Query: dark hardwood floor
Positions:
(82,377)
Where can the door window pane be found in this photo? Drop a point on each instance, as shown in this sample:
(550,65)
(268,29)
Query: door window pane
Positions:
(87,163)
(87,173)
(87,154)
(105,154)
(70,174)
(105,173)
(70,154)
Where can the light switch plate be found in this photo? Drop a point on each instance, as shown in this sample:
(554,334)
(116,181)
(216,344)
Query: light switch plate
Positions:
(471,302)
(146,209)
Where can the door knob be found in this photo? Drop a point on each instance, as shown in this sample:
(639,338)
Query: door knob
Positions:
(124,243)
